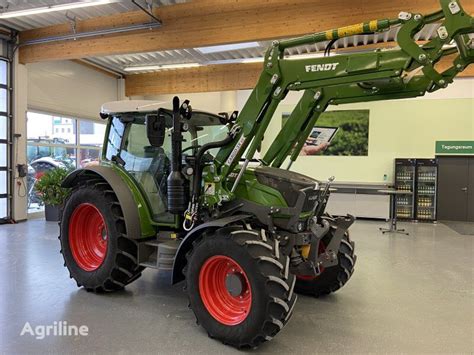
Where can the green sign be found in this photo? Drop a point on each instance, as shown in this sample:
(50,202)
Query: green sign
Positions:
(455,147)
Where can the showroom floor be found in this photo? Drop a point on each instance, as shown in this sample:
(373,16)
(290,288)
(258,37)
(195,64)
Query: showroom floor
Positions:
(409,294)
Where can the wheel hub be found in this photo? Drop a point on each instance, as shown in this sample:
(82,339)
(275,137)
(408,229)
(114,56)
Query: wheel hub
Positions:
(235,284)
(88,237)
(225,290)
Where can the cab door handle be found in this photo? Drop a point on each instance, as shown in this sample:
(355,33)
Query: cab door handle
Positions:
(464,189)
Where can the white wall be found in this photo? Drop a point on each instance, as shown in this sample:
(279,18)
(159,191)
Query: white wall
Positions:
(69,88)
(20,85)
(59,87)
(399,128)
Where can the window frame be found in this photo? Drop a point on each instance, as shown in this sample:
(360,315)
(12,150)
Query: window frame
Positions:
(9,188)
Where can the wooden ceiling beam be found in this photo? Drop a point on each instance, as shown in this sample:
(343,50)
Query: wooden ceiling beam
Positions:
(219,77)
(213,22)
(211,78)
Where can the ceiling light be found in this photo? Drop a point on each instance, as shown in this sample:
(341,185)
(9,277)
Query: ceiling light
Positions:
(236,61)
(161,67)
(305,56)
(227,47)
(252,60)
(52,8)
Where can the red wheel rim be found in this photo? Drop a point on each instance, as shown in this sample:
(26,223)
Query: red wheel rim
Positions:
(227,307)
(322,249)
(88,237)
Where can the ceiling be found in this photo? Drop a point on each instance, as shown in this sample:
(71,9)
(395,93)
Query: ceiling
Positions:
(54,18)
(118,63)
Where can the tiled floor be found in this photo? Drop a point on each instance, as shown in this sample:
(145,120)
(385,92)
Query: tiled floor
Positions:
(409,294)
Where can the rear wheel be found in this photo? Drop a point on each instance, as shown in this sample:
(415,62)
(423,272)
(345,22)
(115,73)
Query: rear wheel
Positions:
(332,278)
(94,242)
(239,286)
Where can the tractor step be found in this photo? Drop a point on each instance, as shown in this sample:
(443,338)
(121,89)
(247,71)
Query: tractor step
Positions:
(153,243)
(149,264)
(158,254)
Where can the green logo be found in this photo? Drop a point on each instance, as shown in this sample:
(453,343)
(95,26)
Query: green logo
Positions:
(455,147)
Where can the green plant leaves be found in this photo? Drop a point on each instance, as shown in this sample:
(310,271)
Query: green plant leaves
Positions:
(49,186)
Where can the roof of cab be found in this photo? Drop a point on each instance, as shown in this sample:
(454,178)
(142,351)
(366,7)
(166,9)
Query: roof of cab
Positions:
(150,106)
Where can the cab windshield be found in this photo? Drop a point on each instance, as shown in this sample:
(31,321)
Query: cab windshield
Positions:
(128,144)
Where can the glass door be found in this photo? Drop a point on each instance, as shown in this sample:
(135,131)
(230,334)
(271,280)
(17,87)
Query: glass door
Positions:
(405,182)
(426,191)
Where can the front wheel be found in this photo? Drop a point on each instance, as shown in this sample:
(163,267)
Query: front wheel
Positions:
(239,286)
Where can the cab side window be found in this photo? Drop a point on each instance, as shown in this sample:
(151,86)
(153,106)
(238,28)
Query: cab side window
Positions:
(149,166)
(115,138)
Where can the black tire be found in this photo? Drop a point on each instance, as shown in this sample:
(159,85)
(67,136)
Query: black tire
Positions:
(332,278)
(267,273)
(120,264)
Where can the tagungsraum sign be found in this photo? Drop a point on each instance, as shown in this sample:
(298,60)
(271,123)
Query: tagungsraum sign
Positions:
(455,147)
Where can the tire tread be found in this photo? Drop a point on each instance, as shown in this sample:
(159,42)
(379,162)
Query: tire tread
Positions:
(123,272)
(279,289)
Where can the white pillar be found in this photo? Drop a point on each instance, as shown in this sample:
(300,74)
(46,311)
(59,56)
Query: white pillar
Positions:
(121,89)
(20,87)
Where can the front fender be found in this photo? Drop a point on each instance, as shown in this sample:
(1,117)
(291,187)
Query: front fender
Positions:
(137,226)
(187,243)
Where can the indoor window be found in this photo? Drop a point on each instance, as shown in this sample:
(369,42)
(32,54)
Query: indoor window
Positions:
(50,129)
(53,142)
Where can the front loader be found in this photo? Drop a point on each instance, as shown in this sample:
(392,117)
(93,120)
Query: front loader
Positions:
(176,189)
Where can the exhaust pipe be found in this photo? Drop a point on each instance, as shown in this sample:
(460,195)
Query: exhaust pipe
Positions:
(177,186)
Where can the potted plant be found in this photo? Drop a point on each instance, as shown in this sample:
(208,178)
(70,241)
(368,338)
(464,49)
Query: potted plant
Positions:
(51,192)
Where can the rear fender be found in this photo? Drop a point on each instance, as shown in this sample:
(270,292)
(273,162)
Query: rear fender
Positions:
(136,221)
(187,243)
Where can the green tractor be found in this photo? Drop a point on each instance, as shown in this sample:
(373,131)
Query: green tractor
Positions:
(178,190)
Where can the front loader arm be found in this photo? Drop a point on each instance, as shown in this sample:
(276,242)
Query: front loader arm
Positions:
(360,77)
(271,89)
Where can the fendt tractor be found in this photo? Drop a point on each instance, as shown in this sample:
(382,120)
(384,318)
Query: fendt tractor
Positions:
(177,190)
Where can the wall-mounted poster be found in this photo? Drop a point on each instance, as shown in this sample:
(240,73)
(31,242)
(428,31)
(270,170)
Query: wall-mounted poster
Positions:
(346,131)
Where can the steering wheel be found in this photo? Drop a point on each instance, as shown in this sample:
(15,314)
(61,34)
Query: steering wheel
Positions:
(191,147)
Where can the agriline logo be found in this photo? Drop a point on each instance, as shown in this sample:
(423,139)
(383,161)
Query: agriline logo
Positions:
(321,67)
(61,329)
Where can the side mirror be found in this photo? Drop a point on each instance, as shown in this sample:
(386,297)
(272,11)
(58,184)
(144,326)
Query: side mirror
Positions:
(155,129)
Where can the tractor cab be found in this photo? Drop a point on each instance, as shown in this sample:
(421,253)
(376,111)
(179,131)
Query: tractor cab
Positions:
(138,139)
